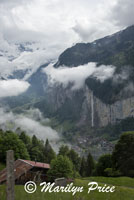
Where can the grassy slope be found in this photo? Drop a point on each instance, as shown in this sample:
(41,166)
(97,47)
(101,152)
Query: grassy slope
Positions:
(124,191)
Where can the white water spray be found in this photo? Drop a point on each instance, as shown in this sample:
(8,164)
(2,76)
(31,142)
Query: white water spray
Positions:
(92,109)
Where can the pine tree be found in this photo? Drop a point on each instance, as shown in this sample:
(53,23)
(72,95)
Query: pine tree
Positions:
(49,153)
(83,167)
(63,150)
(35,141)
(75,158)
(90,165)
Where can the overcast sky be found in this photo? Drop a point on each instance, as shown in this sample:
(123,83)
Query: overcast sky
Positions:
(61,23)
(53,26)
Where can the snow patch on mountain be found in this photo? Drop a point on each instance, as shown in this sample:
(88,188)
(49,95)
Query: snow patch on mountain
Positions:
(26,57)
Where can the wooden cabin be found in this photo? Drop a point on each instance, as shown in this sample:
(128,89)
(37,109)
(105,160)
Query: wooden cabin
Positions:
(26,170)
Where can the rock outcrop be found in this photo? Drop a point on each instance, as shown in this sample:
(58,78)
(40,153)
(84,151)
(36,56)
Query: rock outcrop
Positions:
(88,109)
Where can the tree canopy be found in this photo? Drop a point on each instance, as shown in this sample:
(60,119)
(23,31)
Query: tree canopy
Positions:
(104,162)
(123,154)
(25,147)
(10,140)
(90,165)
(61,167)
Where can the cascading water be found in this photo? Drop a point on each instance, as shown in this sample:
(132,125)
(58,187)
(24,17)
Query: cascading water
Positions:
(92,109)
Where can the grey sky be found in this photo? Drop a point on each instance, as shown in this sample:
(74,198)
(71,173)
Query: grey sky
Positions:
(62,22)
(55,25)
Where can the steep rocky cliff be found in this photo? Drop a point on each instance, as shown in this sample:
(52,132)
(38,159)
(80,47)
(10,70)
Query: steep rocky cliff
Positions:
(85,108)
(103,114)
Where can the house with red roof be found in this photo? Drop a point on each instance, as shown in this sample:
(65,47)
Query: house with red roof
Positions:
(26,170)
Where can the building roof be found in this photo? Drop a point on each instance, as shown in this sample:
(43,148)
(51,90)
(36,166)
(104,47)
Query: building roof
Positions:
(37,164)
(22,167)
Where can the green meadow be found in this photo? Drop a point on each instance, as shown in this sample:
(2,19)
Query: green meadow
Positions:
(124,191)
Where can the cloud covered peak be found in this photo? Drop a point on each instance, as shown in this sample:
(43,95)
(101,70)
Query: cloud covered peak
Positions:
(77,75)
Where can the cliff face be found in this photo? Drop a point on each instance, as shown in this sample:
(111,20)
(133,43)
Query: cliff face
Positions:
(86,109)
(103,114)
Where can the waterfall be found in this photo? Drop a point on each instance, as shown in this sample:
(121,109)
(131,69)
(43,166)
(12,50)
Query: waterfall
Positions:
(92,109)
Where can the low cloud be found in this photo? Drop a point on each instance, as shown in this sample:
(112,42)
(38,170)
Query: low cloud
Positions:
(12,87)
(124,75)
(28,123)
(36,115)
(33,127)
(77,75)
